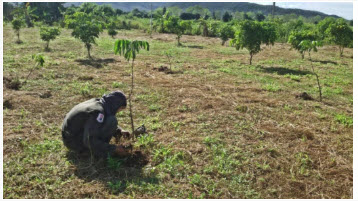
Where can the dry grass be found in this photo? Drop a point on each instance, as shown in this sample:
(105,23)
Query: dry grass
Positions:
(233,130)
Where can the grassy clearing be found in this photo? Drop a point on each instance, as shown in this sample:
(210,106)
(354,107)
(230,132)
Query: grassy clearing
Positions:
(218,127)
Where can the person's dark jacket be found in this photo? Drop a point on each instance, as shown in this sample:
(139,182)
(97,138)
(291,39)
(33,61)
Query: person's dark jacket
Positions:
(90,125)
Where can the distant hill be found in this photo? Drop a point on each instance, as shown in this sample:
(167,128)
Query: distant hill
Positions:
(224,6)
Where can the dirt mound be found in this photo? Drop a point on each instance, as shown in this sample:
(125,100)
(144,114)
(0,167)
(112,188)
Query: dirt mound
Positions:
(47,94)
(162,69)
(85,77)
(167,70)
(12,83)
(7,104)
(137,159)
(304,96)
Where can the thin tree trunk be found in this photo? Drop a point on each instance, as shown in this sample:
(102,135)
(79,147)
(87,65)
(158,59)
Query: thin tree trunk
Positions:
(47,45)
(223,42)
(178,41)
(251,57)
(170,63)
(18,35)
(88,51)
(341,51)
(130,102)
(29,74)
(317,78)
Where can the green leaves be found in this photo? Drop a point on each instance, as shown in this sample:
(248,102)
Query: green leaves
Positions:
(85,26)
(307,45)
(297,37)
(269,34)
(49,33)
(251,34)
(177,26)
(17,23)
(226,32)
(340,34)
(129,49)
(39,59)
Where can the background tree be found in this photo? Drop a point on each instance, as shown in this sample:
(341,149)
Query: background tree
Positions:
(214,28)
(250,35)
(269,33)
(204,24)
(119,12)
(130,49)
(260,17)
(175,11)
(164,10)
(198,10)
(217,14)
(49,33)
(17,24)
(111,26)
(177,26)
(213,15)
(29,15)
(340,34)
(26,12)
(323,25)
(7,10)
(189,16)
(160,19)
(226,32)
(296,37)
(106,10)
(85,27)
(247,17)
(87,7)
(137,13)
(227,17)
(48,12)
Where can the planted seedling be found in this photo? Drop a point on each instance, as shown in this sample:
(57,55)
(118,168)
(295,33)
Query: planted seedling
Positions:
(39,63)
(169,55)
(130,49)
(307,45)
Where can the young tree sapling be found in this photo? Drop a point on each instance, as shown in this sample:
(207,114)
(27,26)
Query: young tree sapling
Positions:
(129,49)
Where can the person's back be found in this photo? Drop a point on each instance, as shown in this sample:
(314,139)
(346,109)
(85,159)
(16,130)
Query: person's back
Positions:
(75,120)
(90,125)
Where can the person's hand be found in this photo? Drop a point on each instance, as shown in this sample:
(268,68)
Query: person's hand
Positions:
(121,151)
(126,134)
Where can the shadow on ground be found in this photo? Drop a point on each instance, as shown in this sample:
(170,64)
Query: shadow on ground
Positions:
(115,173)
(283,71)
(96,63)
(194,46)
(325,62)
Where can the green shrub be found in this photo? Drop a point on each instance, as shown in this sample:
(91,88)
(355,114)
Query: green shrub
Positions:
(49,33)
(17,24)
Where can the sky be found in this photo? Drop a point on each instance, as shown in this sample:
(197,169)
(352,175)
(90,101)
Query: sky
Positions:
(342,9)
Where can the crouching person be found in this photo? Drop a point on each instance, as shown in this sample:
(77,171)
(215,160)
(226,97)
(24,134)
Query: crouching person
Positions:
(90,125)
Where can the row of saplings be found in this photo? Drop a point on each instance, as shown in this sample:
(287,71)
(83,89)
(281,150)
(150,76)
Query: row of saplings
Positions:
(249,35)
